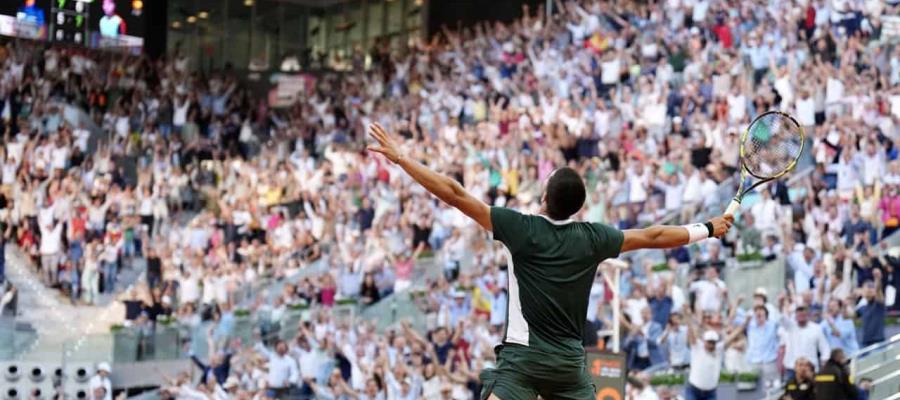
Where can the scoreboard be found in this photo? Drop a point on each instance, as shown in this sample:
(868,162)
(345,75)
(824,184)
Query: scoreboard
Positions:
(69,23)
(109,24)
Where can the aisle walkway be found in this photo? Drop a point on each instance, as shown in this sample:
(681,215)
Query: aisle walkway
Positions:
(62,329)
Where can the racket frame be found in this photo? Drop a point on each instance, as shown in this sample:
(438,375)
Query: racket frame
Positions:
(739,196)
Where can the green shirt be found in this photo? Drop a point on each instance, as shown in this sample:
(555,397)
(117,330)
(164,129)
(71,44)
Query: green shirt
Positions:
(552,265)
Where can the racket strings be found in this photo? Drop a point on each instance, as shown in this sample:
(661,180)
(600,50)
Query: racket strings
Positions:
(772,144)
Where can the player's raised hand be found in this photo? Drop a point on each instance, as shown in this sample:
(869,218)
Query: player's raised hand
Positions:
(721,225)
(386,145)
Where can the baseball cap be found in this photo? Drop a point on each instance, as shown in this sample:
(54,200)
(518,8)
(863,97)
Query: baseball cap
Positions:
(761,291)
(710,336)
(104,366)
(231,382)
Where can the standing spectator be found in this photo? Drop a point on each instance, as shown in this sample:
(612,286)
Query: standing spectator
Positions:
(840,331)
(802,338)
(661,303)
(762,344)
(871,310)
(101,381)
(706,364)
(801,262)
(51,246)
(283,371)
(709,291)
(674,338)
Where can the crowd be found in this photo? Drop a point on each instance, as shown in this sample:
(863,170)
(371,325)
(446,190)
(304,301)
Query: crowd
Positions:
(645,100)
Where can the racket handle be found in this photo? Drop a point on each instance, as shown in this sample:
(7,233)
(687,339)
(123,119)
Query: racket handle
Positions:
(733,207)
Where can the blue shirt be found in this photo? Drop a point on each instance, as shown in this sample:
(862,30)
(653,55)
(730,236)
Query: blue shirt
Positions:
(847,338)
(677,343)
(762,342)
(872,315)
(660,309)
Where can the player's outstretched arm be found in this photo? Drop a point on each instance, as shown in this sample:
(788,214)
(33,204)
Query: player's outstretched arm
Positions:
(443,187)
(664,237)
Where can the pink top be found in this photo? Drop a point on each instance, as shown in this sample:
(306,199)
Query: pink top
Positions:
(404,269)
(890,207)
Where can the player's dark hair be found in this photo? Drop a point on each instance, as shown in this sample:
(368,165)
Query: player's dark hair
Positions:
(565,193)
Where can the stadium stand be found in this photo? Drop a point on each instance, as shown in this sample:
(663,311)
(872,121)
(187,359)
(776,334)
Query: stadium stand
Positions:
(267,247)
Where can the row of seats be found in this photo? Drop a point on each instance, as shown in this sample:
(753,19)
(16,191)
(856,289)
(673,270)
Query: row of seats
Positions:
(30,380)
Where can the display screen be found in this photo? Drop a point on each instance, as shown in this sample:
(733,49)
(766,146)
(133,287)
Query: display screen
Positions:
(110,24)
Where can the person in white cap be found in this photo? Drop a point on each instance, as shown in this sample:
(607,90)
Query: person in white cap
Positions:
(707,354)
(227,390)
(101,379)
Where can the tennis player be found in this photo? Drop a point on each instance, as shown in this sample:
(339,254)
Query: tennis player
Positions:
(552,264)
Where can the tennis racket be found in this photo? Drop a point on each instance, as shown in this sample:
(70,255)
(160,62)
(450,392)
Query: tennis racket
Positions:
(770,148)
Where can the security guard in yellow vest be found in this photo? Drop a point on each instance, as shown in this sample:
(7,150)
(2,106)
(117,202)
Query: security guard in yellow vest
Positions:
(801,386)
(833,381)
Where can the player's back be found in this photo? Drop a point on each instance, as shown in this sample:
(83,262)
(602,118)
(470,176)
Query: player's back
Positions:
(552,265)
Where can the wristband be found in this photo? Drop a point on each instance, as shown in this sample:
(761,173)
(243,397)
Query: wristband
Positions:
(696,232)
(709,227)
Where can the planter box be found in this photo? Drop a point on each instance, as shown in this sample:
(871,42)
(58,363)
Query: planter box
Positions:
(165,343)
(750,264)
(243,329)
(125,346)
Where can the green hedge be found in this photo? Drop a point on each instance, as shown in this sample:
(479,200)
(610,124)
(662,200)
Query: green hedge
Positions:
(749,257)
(680,379)
(345,302)
(660,267)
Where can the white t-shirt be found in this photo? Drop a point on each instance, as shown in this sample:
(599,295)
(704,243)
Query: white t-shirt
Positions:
(705,366)
(709,294)
(808,342)
(806,111)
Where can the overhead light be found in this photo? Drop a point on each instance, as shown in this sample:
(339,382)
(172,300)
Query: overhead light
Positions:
(419,2)
(248,3)
(191,19)
(203,15)
(176,24)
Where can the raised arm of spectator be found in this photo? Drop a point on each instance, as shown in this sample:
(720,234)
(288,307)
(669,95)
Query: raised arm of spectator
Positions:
(261,348)
(786,320)
(879,294)
(668,236)
(732,312)
(413,335)
(443,187)
(690,324)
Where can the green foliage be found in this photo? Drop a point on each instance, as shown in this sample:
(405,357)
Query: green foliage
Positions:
(345,302)
(680,379)
(116,328)
(748,257)
(242,312)
(663,266)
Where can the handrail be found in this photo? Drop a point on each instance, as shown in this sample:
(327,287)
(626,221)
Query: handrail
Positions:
(870,350)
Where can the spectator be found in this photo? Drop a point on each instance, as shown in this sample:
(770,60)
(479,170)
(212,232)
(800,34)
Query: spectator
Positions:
(709,291)
(101,386)
(871,310)
(802,338)
(802,385)
(840,331)
(833,382)
(283,372)
(762,344)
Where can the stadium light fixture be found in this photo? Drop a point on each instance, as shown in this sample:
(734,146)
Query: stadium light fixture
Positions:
(203,15)
(176,24)
(248,3)
(191,19)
